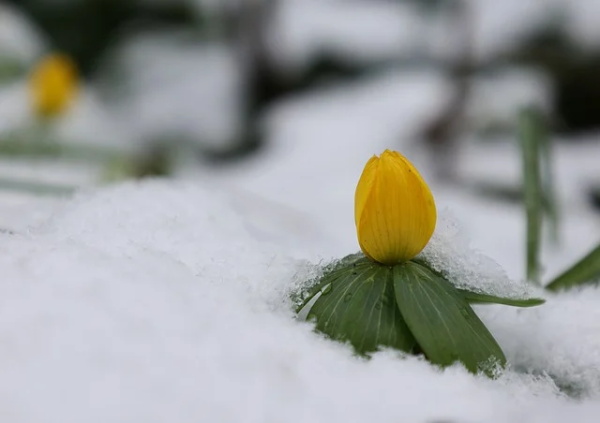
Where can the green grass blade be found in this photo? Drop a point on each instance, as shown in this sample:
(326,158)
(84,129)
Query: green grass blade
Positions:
(529,136)
(585,271)
(38,188)
(15,147)
(445,326)
(10,69)
(478,298)
(550,200)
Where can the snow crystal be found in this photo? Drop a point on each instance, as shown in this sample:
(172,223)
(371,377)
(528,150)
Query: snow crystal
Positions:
(448,252)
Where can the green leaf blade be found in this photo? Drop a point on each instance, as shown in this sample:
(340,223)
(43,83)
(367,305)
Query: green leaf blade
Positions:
(530,134)
(479,298)
(585,271)
(359,307)
(444,325)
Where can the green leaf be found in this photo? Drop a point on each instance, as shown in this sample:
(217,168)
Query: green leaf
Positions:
(479,298)
(549,197)
(10,69)
(444,325)
(304,296)
(357,305)
(38,188)
(585,271)
(530,133)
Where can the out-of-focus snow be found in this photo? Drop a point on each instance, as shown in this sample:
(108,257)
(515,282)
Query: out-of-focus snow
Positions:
(357,31)
(90,122)
(582,21)
(178,88)
(154,301)
(500,25)
(15,110)
(319,143)
(20,41)
(498,97)
(497,227)
(350,31)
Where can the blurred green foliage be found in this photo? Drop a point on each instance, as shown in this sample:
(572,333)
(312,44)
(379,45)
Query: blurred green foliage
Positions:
(85,28)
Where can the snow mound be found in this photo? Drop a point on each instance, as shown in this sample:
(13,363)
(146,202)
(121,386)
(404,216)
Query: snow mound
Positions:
(154,302)
(559,339)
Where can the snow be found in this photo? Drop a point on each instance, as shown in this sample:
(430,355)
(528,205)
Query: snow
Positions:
(499,164)
(169,300)
(154,301)
(20,41)
(449,253)
(581,17)
(491,18)
(353,31)
(559,339)
(350,31)
(90,122)
(14,106)
(321,141)
(175,87)
(520,88)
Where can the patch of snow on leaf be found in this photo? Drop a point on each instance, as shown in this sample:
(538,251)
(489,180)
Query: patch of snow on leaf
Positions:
(448,252)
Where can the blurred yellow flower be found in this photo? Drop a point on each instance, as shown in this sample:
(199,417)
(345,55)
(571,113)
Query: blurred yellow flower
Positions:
(394,210)
(53,85)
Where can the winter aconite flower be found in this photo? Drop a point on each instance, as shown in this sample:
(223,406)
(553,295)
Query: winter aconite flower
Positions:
(383,299)
(394,210)
(53,85)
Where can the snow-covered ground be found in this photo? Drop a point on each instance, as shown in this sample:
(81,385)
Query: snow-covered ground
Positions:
(167,300)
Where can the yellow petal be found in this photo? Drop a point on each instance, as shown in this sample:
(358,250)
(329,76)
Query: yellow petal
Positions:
(53,85)
(394,210)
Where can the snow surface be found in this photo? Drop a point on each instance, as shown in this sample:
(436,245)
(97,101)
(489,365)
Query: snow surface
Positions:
(168,301)
(157,302)
(449,253)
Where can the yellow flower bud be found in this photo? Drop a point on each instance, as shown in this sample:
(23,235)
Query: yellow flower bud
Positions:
(394,210)
(53,85)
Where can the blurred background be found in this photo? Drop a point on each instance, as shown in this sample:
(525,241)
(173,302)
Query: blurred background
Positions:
(287,99)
